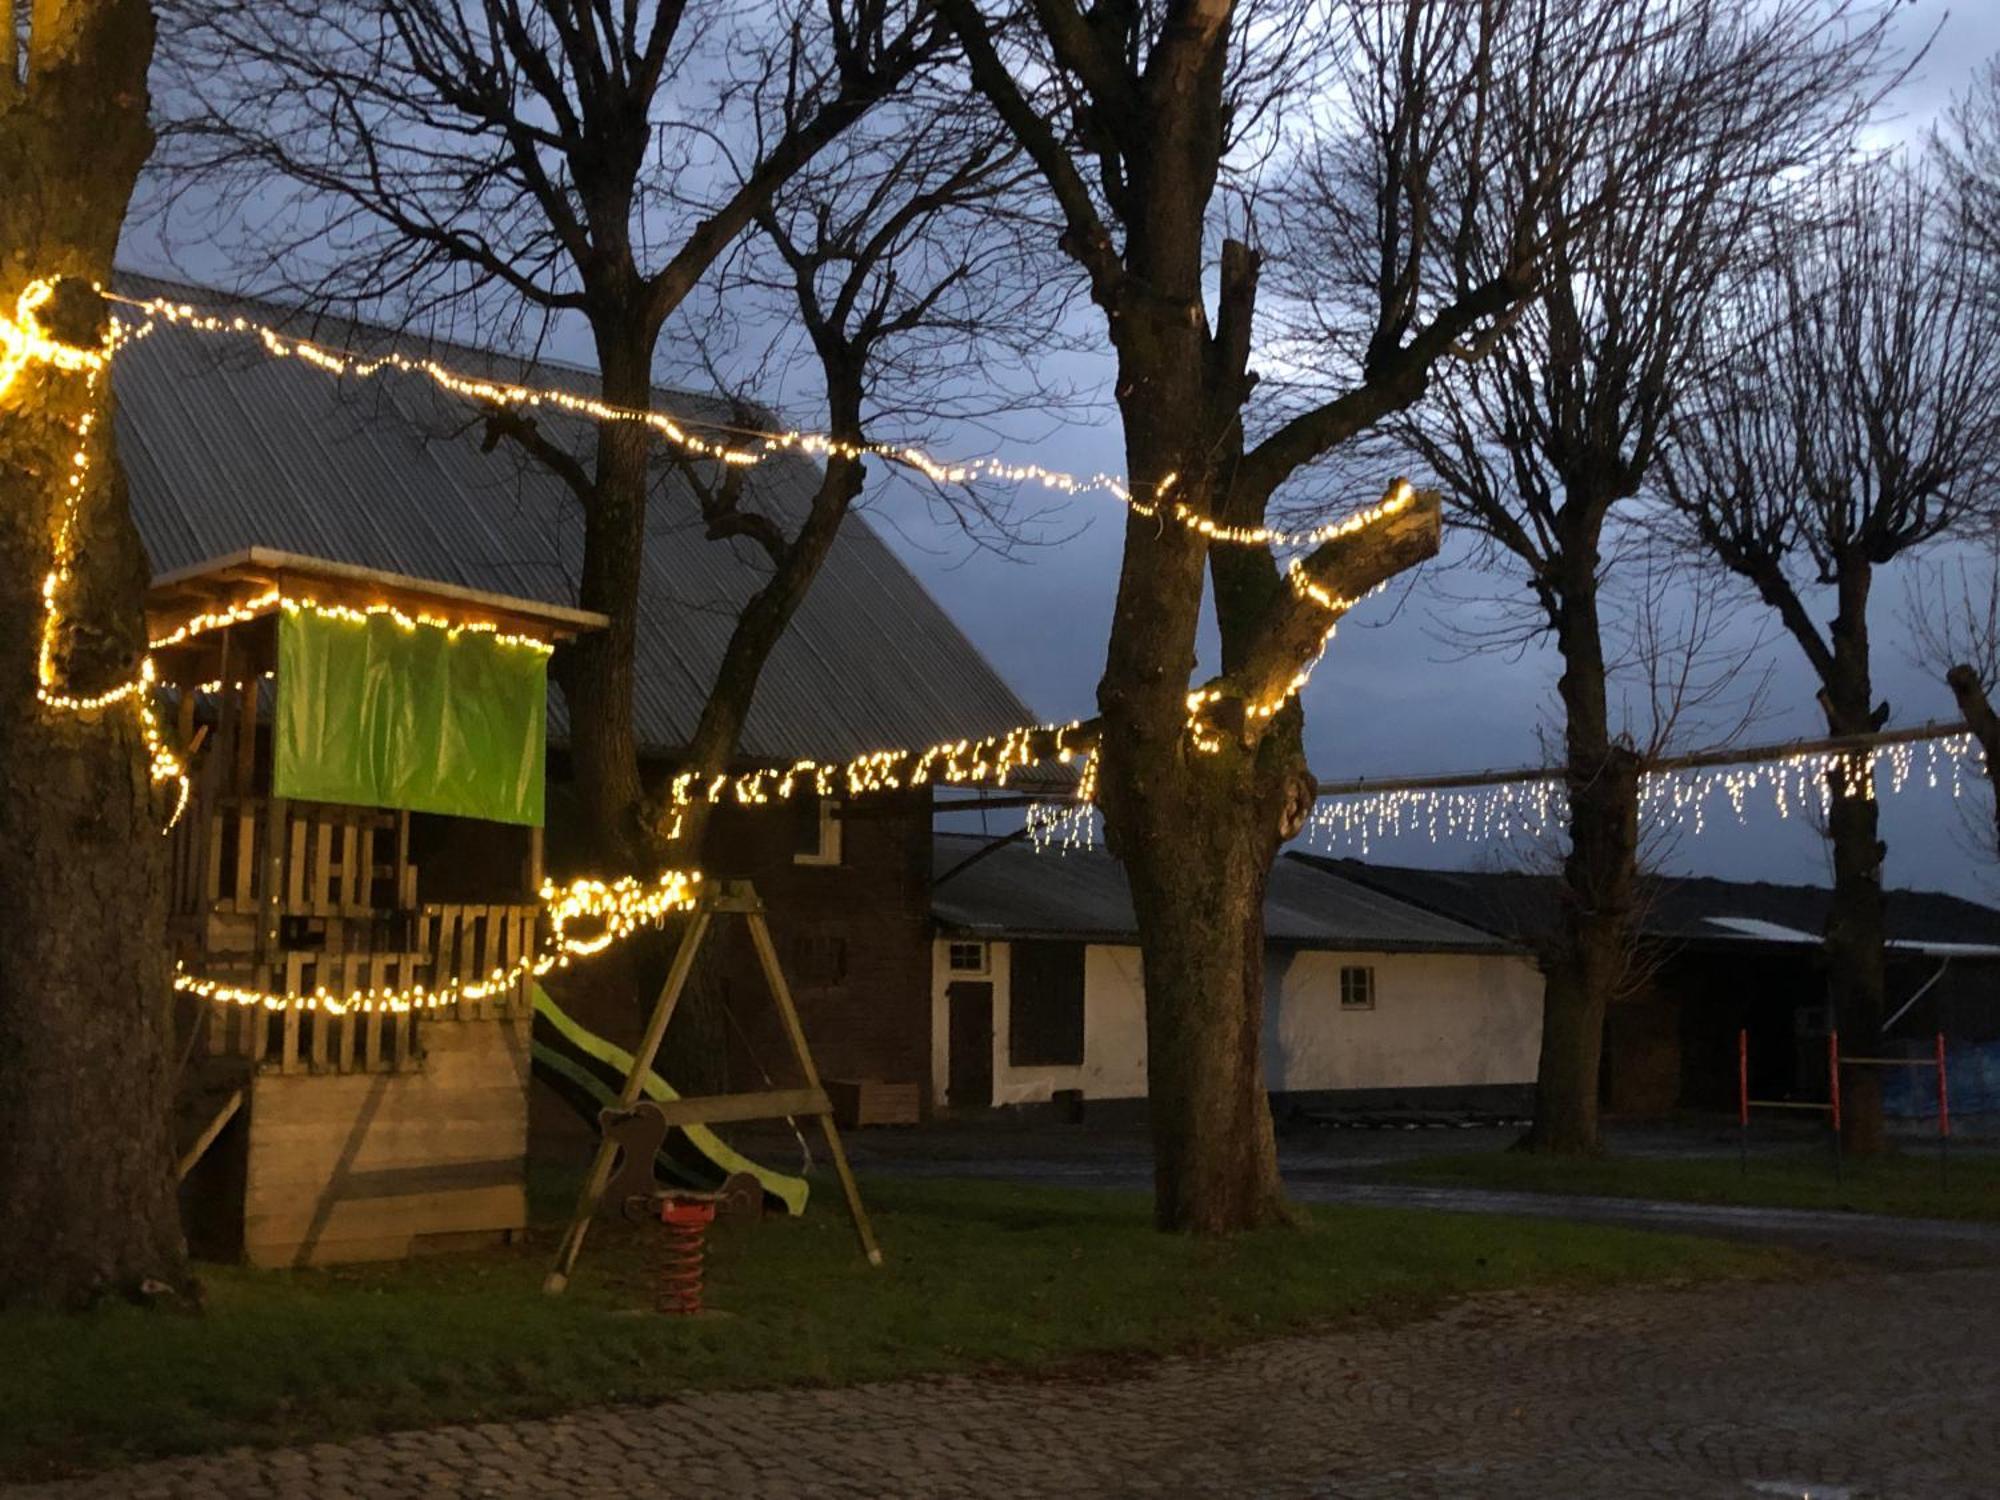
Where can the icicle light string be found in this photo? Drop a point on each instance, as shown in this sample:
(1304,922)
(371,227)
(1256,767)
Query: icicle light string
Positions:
(1537,807)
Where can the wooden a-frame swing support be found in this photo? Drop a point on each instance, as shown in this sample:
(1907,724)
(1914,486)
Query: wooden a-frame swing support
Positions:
(740,898)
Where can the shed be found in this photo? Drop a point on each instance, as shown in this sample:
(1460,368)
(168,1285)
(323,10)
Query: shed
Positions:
(1038,988)
(1723,956)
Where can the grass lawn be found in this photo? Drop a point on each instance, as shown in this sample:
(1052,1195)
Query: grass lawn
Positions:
(979,1276)
(1905,1184)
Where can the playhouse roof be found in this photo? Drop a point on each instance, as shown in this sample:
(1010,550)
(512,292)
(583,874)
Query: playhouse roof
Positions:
(228,449)
(997,888)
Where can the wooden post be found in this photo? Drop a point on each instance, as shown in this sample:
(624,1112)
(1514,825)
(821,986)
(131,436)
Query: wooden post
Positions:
(642,1064)
(767,958)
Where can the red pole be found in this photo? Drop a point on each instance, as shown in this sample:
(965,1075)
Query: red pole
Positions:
(1833,1076)
(1944,1092)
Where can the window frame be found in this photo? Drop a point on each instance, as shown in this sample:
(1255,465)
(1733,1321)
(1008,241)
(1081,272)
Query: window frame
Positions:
(982,970)
(1366,975)
(828,852)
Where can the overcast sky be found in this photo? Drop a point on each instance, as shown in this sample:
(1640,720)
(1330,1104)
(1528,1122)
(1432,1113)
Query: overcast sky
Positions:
(1393,696)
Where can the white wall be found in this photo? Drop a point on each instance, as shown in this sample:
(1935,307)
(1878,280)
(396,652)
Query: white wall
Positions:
(1439,1020)
(1114,1029)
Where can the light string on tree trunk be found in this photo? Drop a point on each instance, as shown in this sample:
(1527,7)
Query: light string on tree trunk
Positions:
(23,343)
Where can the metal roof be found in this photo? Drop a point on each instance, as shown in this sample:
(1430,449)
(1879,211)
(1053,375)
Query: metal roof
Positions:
(1013,891)
(229,448)
(1674,908)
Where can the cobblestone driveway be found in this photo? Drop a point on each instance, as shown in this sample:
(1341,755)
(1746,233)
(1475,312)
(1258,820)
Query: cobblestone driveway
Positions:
(1872,1386)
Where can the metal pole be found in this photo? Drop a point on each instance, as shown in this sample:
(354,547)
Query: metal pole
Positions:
(1833,1099)
(1944,1120)
(1743,1101)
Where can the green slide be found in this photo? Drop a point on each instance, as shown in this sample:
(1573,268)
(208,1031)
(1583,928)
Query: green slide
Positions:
(588,1072)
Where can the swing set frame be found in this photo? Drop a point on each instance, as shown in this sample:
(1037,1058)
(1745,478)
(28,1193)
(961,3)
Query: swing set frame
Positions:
(729,898)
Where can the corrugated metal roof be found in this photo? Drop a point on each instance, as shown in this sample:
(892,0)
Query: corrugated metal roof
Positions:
(1015,892)
(1673,908)
(228,448)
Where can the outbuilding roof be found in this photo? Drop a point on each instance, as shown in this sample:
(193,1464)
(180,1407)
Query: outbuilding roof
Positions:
(1681,909)
(1000,888)
(228,448)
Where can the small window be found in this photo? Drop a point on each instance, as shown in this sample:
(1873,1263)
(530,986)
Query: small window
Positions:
(1357,987)
(968,958)
(816,833)
(819,961)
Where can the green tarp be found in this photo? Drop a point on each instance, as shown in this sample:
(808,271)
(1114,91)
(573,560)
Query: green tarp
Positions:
(378,714)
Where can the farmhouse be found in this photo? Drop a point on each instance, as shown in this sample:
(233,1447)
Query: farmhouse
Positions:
(1722,956)
(1036,988)
(252,474)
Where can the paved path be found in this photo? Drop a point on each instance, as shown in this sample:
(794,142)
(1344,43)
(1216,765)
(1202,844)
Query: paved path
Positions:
(1876,1238)
(1874,1387)
(1850,1236)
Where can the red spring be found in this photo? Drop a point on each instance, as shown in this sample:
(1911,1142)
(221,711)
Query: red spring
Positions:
(685,1222)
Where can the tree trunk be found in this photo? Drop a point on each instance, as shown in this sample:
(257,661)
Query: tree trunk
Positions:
(1200,905)
(87,1195)
(597,676)
(1196,832)
(1589,954)
(1855,928)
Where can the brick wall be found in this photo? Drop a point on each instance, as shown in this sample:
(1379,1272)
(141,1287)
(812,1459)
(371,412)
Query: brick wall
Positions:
(854,939)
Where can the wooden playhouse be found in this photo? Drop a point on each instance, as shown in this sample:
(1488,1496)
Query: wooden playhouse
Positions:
(365,818)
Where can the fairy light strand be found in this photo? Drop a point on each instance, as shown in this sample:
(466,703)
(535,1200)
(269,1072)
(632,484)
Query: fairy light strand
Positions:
(24,342)
(1538,807)
(619,908)
(754,445)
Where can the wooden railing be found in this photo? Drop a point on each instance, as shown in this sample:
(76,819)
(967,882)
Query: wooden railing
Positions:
(469,942)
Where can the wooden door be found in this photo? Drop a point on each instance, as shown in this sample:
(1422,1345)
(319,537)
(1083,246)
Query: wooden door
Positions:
(969,1083)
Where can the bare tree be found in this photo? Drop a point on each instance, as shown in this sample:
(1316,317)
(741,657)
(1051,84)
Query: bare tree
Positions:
(1541,441)
(524,161)
(1855,418)
(1954,623)
(1967,150)
(885,279)
(1448,131)
(87,1202)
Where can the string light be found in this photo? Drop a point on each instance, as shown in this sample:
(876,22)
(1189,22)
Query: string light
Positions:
(22,342)
(757,445)
(1536,808)
(1064,826)
(619,908)
(993,758)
